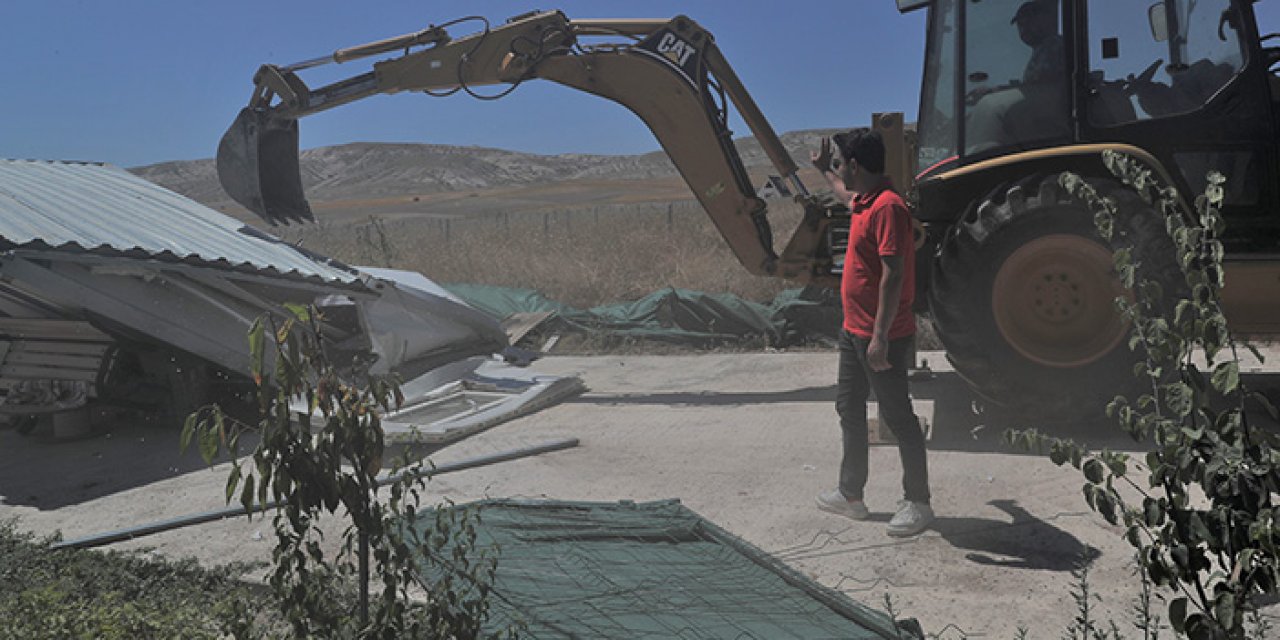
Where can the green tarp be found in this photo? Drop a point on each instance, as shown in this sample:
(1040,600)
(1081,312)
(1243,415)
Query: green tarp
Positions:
(651,570)
(795,316)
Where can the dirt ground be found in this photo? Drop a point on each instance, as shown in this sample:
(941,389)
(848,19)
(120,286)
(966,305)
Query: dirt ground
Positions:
(745,440)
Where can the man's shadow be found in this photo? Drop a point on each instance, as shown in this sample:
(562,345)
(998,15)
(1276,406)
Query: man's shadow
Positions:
(1026,542)
(1021,542)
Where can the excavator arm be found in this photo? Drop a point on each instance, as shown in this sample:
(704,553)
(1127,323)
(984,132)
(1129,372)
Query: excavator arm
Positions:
(668,72)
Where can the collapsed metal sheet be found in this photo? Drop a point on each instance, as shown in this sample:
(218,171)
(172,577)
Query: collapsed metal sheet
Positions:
(165,289)
(467,396)
(104,210)
(406,302)
(451,398)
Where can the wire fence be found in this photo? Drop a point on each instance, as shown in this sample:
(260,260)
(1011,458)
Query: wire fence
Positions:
(583,256)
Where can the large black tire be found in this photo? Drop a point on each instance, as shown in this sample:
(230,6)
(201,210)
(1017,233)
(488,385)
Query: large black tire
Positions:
(1023,297)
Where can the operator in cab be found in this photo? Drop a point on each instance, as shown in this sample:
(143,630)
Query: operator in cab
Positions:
(1027,108)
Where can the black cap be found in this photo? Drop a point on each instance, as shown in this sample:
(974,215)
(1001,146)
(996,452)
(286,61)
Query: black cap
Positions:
(1031,8)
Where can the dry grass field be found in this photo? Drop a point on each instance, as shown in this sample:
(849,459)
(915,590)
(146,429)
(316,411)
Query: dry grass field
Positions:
(580,243)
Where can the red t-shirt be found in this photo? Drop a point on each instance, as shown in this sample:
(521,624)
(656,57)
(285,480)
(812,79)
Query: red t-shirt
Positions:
(880,226)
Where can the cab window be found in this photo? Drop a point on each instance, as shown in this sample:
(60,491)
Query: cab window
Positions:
(1015,75)
(938,127)
(1158,60)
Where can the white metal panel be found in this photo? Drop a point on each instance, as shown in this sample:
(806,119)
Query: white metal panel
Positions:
(108,211)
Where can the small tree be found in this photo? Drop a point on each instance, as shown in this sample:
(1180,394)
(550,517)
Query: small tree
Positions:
(321,455)
(1206,525)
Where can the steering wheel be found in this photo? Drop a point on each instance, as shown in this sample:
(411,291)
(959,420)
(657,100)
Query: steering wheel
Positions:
(972,97)
(1144,77)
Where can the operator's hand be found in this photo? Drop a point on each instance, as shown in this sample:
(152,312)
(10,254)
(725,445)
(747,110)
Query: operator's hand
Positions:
(822,157)
(878,354)
(977,93)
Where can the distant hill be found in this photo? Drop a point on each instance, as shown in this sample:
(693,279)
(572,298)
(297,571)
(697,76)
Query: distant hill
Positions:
(368,171)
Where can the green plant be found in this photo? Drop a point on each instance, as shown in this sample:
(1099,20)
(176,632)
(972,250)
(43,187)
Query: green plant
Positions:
(69,593)
(320,451)
(1086,625)
(1145,618)
(1205,524)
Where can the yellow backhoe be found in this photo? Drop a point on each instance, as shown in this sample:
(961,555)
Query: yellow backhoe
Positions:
(668,72)
(1012,273)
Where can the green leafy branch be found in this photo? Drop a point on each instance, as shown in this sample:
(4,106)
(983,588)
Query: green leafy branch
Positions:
(1206,524)
(320,450)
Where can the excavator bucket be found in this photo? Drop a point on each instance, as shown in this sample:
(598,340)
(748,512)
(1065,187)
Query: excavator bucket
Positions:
(258,167)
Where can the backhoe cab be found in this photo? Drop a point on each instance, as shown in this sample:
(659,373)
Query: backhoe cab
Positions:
(1015,92)
(668,72)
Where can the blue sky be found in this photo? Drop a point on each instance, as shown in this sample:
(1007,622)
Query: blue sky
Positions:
(135,82)
(141,81)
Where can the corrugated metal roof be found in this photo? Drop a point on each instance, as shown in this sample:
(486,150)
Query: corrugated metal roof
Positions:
(105,210)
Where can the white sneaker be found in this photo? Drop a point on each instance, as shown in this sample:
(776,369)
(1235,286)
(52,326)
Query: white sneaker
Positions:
(911,518)
(834,502)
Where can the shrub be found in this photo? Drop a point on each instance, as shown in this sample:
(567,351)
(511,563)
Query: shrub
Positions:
(1205,524)
(71,593)
(320,451)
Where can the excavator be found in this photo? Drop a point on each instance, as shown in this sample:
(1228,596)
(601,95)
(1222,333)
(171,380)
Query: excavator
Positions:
(1011,271)
(667,72)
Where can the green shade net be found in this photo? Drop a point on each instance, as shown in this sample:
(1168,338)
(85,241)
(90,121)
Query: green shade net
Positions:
(651,570)
(795,316)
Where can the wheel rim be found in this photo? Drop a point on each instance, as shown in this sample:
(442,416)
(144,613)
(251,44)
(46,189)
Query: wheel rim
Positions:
(1054,301)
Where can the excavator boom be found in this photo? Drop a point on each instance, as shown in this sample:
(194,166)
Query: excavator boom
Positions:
(668,72)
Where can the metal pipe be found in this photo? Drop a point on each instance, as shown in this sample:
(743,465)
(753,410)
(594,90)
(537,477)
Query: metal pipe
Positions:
(798,186)
(611,27)
(99,539)
(430,35)
(308,64)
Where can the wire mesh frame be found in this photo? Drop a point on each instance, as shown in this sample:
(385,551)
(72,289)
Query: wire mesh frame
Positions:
(595,601)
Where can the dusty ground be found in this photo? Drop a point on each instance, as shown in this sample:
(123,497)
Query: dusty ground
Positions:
(746,440)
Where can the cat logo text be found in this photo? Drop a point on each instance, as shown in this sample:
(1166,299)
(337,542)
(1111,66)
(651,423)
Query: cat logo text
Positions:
(676,50)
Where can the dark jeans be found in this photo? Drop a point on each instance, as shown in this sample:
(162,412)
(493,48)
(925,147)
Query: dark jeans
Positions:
(855,382)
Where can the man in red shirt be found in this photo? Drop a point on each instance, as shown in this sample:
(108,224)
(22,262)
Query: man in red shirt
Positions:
(877,339)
